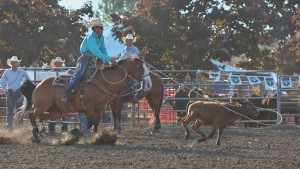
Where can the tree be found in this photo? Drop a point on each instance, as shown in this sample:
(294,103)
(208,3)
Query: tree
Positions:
(40,29)
(106,7)
(192,32)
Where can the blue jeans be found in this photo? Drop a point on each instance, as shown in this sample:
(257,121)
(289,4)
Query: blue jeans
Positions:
(82,64)
(15,100)
(84,121)
(64,126)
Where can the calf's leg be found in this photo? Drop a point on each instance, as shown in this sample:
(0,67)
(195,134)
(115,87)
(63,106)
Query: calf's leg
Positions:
(220,131)
(184,124)
(196,128)
(211,134)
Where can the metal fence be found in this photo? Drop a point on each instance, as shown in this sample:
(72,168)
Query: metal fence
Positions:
(141,113)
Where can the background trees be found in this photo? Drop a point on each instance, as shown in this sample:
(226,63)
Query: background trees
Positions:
(186,34)
(172,34)
(40,29)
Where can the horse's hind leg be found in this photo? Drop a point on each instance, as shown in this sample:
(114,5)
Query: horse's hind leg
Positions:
(155,105)
(35,130)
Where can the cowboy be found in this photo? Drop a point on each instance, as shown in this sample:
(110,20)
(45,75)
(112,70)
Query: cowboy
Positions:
(130,50)
(92,47)
(11,82)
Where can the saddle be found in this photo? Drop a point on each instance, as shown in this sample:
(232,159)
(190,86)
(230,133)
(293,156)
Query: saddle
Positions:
(62,80)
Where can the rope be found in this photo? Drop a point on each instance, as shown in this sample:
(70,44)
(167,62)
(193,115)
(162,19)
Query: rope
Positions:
(117,81)
(216,101)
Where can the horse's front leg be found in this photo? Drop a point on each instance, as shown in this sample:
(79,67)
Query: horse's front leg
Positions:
(157,125)
(118,107)
(35,130)
(97,117)
(114,114)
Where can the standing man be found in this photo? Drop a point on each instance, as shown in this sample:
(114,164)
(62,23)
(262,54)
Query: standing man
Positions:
(11,82)
(91,47)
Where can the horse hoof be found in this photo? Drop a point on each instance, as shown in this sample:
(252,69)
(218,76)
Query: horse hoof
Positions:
(35,140)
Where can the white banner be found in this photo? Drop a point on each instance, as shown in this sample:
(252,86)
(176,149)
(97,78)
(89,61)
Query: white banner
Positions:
(286,82)
(253,80)
(235,80)
(270,83)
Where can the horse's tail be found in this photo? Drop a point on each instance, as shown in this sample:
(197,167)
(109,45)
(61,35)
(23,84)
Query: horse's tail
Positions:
(27,89)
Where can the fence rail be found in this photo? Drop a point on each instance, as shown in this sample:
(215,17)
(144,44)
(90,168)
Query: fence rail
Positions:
(142,114)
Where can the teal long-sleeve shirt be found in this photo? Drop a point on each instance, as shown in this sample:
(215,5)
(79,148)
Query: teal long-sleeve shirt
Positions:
(93,45)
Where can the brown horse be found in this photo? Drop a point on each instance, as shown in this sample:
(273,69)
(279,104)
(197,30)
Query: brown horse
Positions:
(88,97)
(154,98)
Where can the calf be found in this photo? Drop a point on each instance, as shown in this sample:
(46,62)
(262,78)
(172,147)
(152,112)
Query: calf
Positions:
(217,114)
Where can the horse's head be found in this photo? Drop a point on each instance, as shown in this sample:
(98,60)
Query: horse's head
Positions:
(133,66)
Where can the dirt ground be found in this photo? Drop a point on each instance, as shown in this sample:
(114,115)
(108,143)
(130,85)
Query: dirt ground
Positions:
(274,147)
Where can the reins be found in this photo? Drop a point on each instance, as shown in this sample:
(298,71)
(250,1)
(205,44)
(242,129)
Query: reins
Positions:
(102,87)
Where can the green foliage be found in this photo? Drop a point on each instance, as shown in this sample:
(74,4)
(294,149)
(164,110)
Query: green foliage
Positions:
(106,7)
(186,34)
(40,29)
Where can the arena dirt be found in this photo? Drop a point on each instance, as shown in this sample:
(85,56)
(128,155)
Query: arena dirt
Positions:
(275,147)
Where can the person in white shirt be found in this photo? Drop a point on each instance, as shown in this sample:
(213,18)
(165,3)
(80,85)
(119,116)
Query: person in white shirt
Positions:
(10,83)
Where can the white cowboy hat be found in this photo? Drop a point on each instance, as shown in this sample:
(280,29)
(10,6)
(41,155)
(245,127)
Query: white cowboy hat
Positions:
(95,22)
(57,59)
(129,36)
(13,59)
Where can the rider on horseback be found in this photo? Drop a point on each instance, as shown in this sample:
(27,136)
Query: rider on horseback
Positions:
(128,51)
(91,47)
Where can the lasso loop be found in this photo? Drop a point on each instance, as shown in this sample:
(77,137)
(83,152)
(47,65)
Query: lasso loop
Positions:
(117,81)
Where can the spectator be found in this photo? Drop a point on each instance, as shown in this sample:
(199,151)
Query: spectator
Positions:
(188,81)
(11,82)
(55,64)
(33,64)
(70,61)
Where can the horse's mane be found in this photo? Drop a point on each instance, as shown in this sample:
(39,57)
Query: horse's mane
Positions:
(121,62)
(131,58)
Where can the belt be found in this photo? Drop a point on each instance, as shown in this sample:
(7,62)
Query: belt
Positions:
(92,59)
(14,90)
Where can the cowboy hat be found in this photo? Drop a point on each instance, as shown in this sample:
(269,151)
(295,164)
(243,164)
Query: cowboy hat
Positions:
(13,59)
(57,59)
(95,22)
(129,36)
